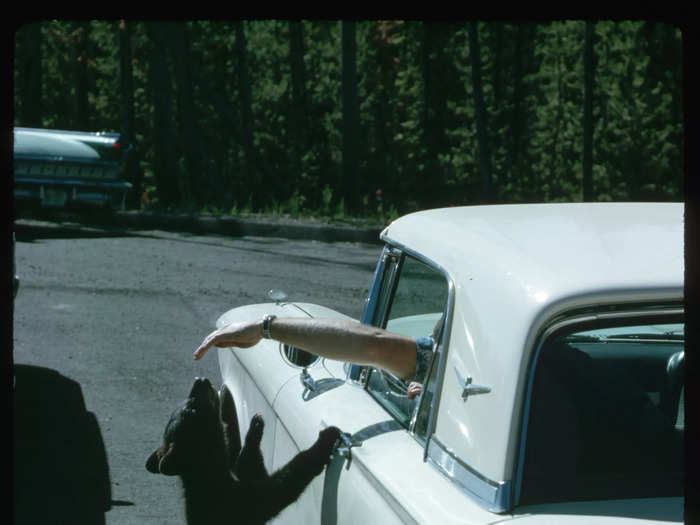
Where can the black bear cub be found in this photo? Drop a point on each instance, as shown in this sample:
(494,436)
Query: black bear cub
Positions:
(224,482)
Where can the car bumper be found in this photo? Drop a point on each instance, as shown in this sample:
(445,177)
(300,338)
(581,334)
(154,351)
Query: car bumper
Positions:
(63,192)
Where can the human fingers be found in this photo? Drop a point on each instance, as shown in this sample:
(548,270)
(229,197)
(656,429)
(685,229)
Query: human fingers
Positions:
(209,341)
(242,335)
(414,389)
(201,351)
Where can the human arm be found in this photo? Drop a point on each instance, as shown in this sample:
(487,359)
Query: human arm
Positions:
(337,339)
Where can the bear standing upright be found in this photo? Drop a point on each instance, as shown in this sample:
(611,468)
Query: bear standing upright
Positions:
(224,482)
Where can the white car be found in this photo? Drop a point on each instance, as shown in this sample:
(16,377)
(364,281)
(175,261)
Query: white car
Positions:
(555,394)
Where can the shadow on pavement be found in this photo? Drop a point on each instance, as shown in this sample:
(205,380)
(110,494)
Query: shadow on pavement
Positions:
(34,232)
(29,233)
(61,474)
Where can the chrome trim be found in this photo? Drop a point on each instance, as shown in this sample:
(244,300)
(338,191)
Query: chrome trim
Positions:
(468,389)
(493,495)
(104,136)
(295,305)
(442,348)
(371,300)
(354,373)
(286,350)
(563,323)
(97,183)
(60,159)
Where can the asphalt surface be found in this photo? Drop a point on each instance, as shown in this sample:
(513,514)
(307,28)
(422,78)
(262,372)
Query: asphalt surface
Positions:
(105,324)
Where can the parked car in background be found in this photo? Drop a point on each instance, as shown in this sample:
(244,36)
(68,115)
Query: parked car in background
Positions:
(555,392)
(55,168)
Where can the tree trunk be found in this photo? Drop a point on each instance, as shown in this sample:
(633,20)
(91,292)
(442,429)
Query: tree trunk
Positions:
(518,119)
(165,168)
(81,54)
(588,73)
(350,117)
(240,135)
(481,116)
(435,70)
(131,170)
(188,134)
(254,184)
(30,79)
(297,129)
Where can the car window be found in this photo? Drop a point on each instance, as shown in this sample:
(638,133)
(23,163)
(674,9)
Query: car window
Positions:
(415,307)
(606,416)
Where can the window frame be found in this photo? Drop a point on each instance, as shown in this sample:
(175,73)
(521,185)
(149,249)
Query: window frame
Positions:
(376,313)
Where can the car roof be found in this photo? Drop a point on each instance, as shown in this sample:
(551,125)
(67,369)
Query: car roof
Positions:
(53,144)
(30,143)
(542,252)
(515,268)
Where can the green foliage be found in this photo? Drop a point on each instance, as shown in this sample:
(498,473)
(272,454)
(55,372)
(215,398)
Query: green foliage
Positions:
(417,143)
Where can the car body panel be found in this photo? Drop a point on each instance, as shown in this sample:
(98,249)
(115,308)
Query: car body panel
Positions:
(541,261)
(514,273)
(373,472)
(254,376)
(263,362)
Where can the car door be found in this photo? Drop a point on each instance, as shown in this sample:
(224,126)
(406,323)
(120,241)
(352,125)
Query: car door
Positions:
(380,474)
(255,377)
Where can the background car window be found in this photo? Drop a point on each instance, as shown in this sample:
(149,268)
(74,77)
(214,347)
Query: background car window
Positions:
(606,418)
(415,308)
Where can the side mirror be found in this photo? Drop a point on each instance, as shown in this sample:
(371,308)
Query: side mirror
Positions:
(298,357)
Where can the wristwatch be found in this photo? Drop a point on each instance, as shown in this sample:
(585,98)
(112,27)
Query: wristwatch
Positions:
(267,320)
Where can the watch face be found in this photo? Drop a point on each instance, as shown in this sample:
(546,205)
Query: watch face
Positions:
(266,325)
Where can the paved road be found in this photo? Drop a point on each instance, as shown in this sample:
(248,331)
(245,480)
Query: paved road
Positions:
(120,313)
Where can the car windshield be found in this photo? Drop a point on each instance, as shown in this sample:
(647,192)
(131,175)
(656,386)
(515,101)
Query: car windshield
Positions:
(606,416)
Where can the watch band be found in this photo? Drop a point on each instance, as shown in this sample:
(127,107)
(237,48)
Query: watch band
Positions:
(267,320)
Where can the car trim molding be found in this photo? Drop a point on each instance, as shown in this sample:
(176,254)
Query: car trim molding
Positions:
(356,374)
(494,495)
(97,182)
(444,345)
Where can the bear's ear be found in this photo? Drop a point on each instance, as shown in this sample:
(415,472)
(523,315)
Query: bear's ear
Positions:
(163,461)
(152,461)
(168,463)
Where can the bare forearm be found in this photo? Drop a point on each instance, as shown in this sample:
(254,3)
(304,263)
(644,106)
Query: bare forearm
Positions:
(331,338)
(349,341)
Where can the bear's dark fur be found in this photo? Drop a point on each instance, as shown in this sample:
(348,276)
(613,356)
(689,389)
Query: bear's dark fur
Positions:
(224,482)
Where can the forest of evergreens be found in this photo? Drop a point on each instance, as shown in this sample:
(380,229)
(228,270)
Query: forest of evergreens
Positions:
(366,118)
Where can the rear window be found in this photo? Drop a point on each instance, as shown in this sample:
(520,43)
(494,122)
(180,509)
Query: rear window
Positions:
(607,415)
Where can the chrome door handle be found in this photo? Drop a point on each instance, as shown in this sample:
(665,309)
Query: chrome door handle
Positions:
(468,389)
(345,445)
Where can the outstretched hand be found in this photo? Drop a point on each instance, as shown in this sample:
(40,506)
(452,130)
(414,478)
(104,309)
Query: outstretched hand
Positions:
(241,335)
